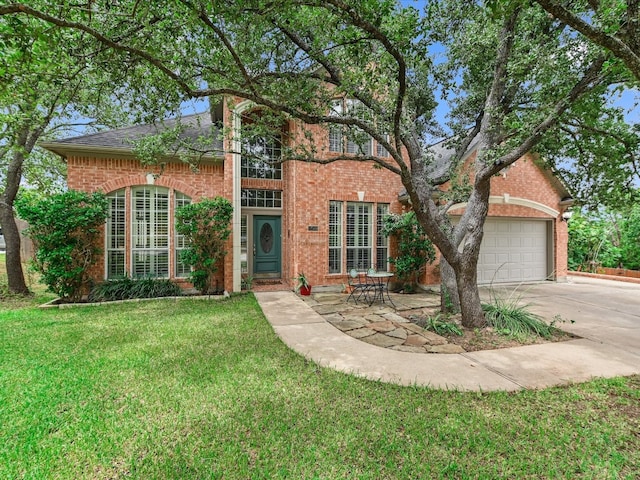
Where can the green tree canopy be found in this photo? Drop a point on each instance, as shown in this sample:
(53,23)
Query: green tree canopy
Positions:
(512,77)
(52,84)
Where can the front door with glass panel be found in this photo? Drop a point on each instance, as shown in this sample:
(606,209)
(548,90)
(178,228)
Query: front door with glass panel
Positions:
(267,251)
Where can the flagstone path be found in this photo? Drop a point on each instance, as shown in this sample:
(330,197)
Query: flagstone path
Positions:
(382,325)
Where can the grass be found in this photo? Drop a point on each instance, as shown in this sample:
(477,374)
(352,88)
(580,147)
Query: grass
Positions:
(204,389)
(9,301)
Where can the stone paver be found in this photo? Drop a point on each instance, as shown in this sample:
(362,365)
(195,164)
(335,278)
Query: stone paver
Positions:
(381,340)
(346,325)
(415,341)
(394,317)
(381,325)
(361,332)
(398,333)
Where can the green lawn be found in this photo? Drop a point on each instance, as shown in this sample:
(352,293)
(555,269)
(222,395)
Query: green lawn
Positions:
(204,389)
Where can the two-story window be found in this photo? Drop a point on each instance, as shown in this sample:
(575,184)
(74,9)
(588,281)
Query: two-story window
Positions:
(354,238)
(261,158)
(351,139)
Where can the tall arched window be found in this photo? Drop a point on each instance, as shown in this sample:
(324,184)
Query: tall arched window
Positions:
(151,248)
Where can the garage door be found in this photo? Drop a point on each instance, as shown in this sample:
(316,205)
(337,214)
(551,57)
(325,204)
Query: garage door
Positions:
(513,250)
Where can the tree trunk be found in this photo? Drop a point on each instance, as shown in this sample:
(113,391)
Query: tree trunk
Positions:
(470,305)
(15,274)
(13,262)
(470,232)
(449,298)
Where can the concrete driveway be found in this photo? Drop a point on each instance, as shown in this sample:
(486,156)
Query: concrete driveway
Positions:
(606,316)
(604,311)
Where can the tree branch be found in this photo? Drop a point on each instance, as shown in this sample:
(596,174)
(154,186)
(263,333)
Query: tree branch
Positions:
(612,43)
(591,78)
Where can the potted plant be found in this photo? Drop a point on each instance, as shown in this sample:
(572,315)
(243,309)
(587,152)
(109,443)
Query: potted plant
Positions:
(303,284)
(346,288)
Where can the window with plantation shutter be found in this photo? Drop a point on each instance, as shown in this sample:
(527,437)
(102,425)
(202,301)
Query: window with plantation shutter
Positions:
(382,241)
(150,232)
(116,235)
(355,238)
(335,237)
(140,238)
(182,269)
(359,236)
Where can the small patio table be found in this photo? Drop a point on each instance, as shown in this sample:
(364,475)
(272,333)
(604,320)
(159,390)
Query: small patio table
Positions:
(379,286)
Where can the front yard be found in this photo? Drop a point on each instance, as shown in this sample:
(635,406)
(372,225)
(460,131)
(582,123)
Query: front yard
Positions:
(204,389)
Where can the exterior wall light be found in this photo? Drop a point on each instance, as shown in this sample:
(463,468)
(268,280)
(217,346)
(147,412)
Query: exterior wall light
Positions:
(566,215)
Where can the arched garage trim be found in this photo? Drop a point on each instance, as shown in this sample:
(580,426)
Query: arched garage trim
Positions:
(506,199)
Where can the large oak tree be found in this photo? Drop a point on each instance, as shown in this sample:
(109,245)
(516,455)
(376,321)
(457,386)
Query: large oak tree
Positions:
(52,83)
(511,77)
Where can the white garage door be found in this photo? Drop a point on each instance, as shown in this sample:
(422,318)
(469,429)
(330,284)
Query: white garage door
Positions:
(513,250)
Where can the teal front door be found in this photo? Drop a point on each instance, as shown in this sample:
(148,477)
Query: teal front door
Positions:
(267,246)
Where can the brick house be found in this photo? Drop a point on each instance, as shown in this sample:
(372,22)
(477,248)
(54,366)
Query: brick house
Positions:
(296,217)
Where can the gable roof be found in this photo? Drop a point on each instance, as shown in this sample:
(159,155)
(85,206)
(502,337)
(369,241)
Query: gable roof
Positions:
(443,156)
(120,141)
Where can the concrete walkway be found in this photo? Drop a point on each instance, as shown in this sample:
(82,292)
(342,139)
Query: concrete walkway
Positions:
(606,315)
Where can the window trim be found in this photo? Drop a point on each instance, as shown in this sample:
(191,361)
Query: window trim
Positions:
(120,216)
(364,239)
(336,232)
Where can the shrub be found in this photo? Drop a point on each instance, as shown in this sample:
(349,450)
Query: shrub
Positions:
(65,229)
(591,243)
(127,288)
(415,250)
(206,226)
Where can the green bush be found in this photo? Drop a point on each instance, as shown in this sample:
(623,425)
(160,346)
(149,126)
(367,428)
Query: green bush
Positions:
(206,226)
(65,229)
(630,239)
(127,288)
(414,249)
(591,243)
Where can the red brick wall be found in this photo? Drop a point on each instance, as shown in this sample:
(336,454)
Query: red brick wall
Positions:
(110,174)
(307,190)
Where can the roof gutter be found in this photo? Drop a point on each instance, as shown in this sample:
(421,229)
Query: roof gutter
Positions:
(65,150)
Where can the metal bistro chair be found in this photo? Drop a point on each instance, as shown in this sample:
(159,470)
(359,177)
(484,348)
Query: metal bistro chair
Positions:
(358,284)
(379,285)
